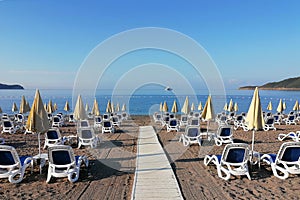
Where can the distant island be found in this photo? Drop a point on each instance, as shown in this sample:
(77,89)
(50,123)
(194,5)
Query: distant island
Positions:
(11,87)
(291,84)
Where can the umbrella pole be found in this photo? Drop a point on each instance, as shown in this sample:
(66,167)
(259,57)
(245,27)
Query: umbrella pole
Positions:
(39,139)
(252,146)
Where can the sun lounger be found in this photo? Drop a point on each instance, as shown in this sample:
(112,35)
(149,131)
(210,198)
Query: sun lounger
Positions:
(269,124)
(233,161)
(192,135)
(11,165)
(184,120)
(173,125)
(291,135)
(53,137)
(8,127)
(290,120)
(224,135)
(63,163)
(107,127)
(286,161)
(87,137)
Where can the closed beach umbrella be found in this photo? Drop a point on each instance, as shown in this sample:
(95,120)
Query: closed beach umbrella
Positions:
(27,107)
(23,105)
(38,118)
(296,106)
(14,107)
(225,107)
(230,106)
(95,109)
(236,107)
(67,107)
(55,107)
(254,119)
(1,110)
(280,106)
(45,106)
(161,107)
(200,107)
(174,107)
(112,107)
(193,107)
(165,107)
(50,107)
(108,107)
(208,111)
(117,107)
(79,111)
(87,107)
(124,107)
(185,108)
(284,106)
(270,107)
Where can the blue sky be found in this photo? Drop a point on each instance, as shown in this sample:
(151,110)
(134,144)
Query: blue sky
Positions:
(43,43)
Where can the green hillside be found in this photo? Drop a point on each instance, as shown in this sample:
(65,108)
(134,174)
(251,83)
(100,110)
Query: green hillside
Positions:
(287,84)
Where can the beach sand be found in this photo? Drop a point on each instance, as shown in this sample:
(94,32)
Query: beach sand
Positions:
(111,171)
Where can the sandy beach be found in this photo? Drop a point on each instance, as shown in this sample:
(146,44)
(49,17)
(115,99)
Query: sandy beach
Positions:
(111,171)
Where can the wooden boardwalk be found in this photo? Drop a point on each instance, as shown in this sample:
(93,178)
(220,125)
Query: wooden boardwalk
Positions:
(154,177)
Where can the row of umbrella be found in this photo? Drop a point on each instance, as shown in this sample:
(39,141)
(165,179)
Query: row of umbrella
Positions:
(231,107)
(282,106)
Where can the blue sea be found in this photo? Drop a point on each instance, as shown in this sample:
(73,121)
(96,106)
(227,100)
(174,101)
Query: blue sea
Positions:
(147,102)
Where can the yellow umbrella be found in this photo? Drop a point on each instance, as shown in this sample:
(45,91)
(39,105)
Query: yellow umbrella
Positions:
(108,107)
(50,107)
(296,106)
(38,118)
(160,107)
(254,119)
(45,106)
(95,109)
(208,111)
(14,107)
(284,106)
(230,106)
(193,107)
(225,107)
(124,107)
(236,107)
(79,112)
(55,107)
(270,107)
(27,107)
(185,108)
(87,107)
(174,107)
(67,107)
(200,106)
(165,107)
(112,107)
(280,106)
(117,107)
(23,105)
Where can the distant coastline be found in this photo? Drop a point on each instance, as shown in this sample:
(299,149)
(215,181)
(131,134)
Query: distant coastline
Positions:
(11,87)
(290,84)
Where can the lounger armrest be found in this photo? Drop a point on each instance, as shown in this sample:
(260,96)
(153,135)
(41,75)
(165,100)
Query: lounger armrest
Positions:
(267,158)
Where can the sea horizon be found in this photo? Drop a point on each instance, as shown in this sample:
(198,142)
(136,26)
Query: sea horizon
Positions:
(146,102)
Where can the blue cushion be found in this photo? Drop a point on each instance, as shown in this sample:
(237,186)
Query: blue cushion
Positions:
(61,157)
(291,154)
(235,155)
(273,156)
(52,134)
(225,132)
(22,159)
(193,132)
(6,158)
